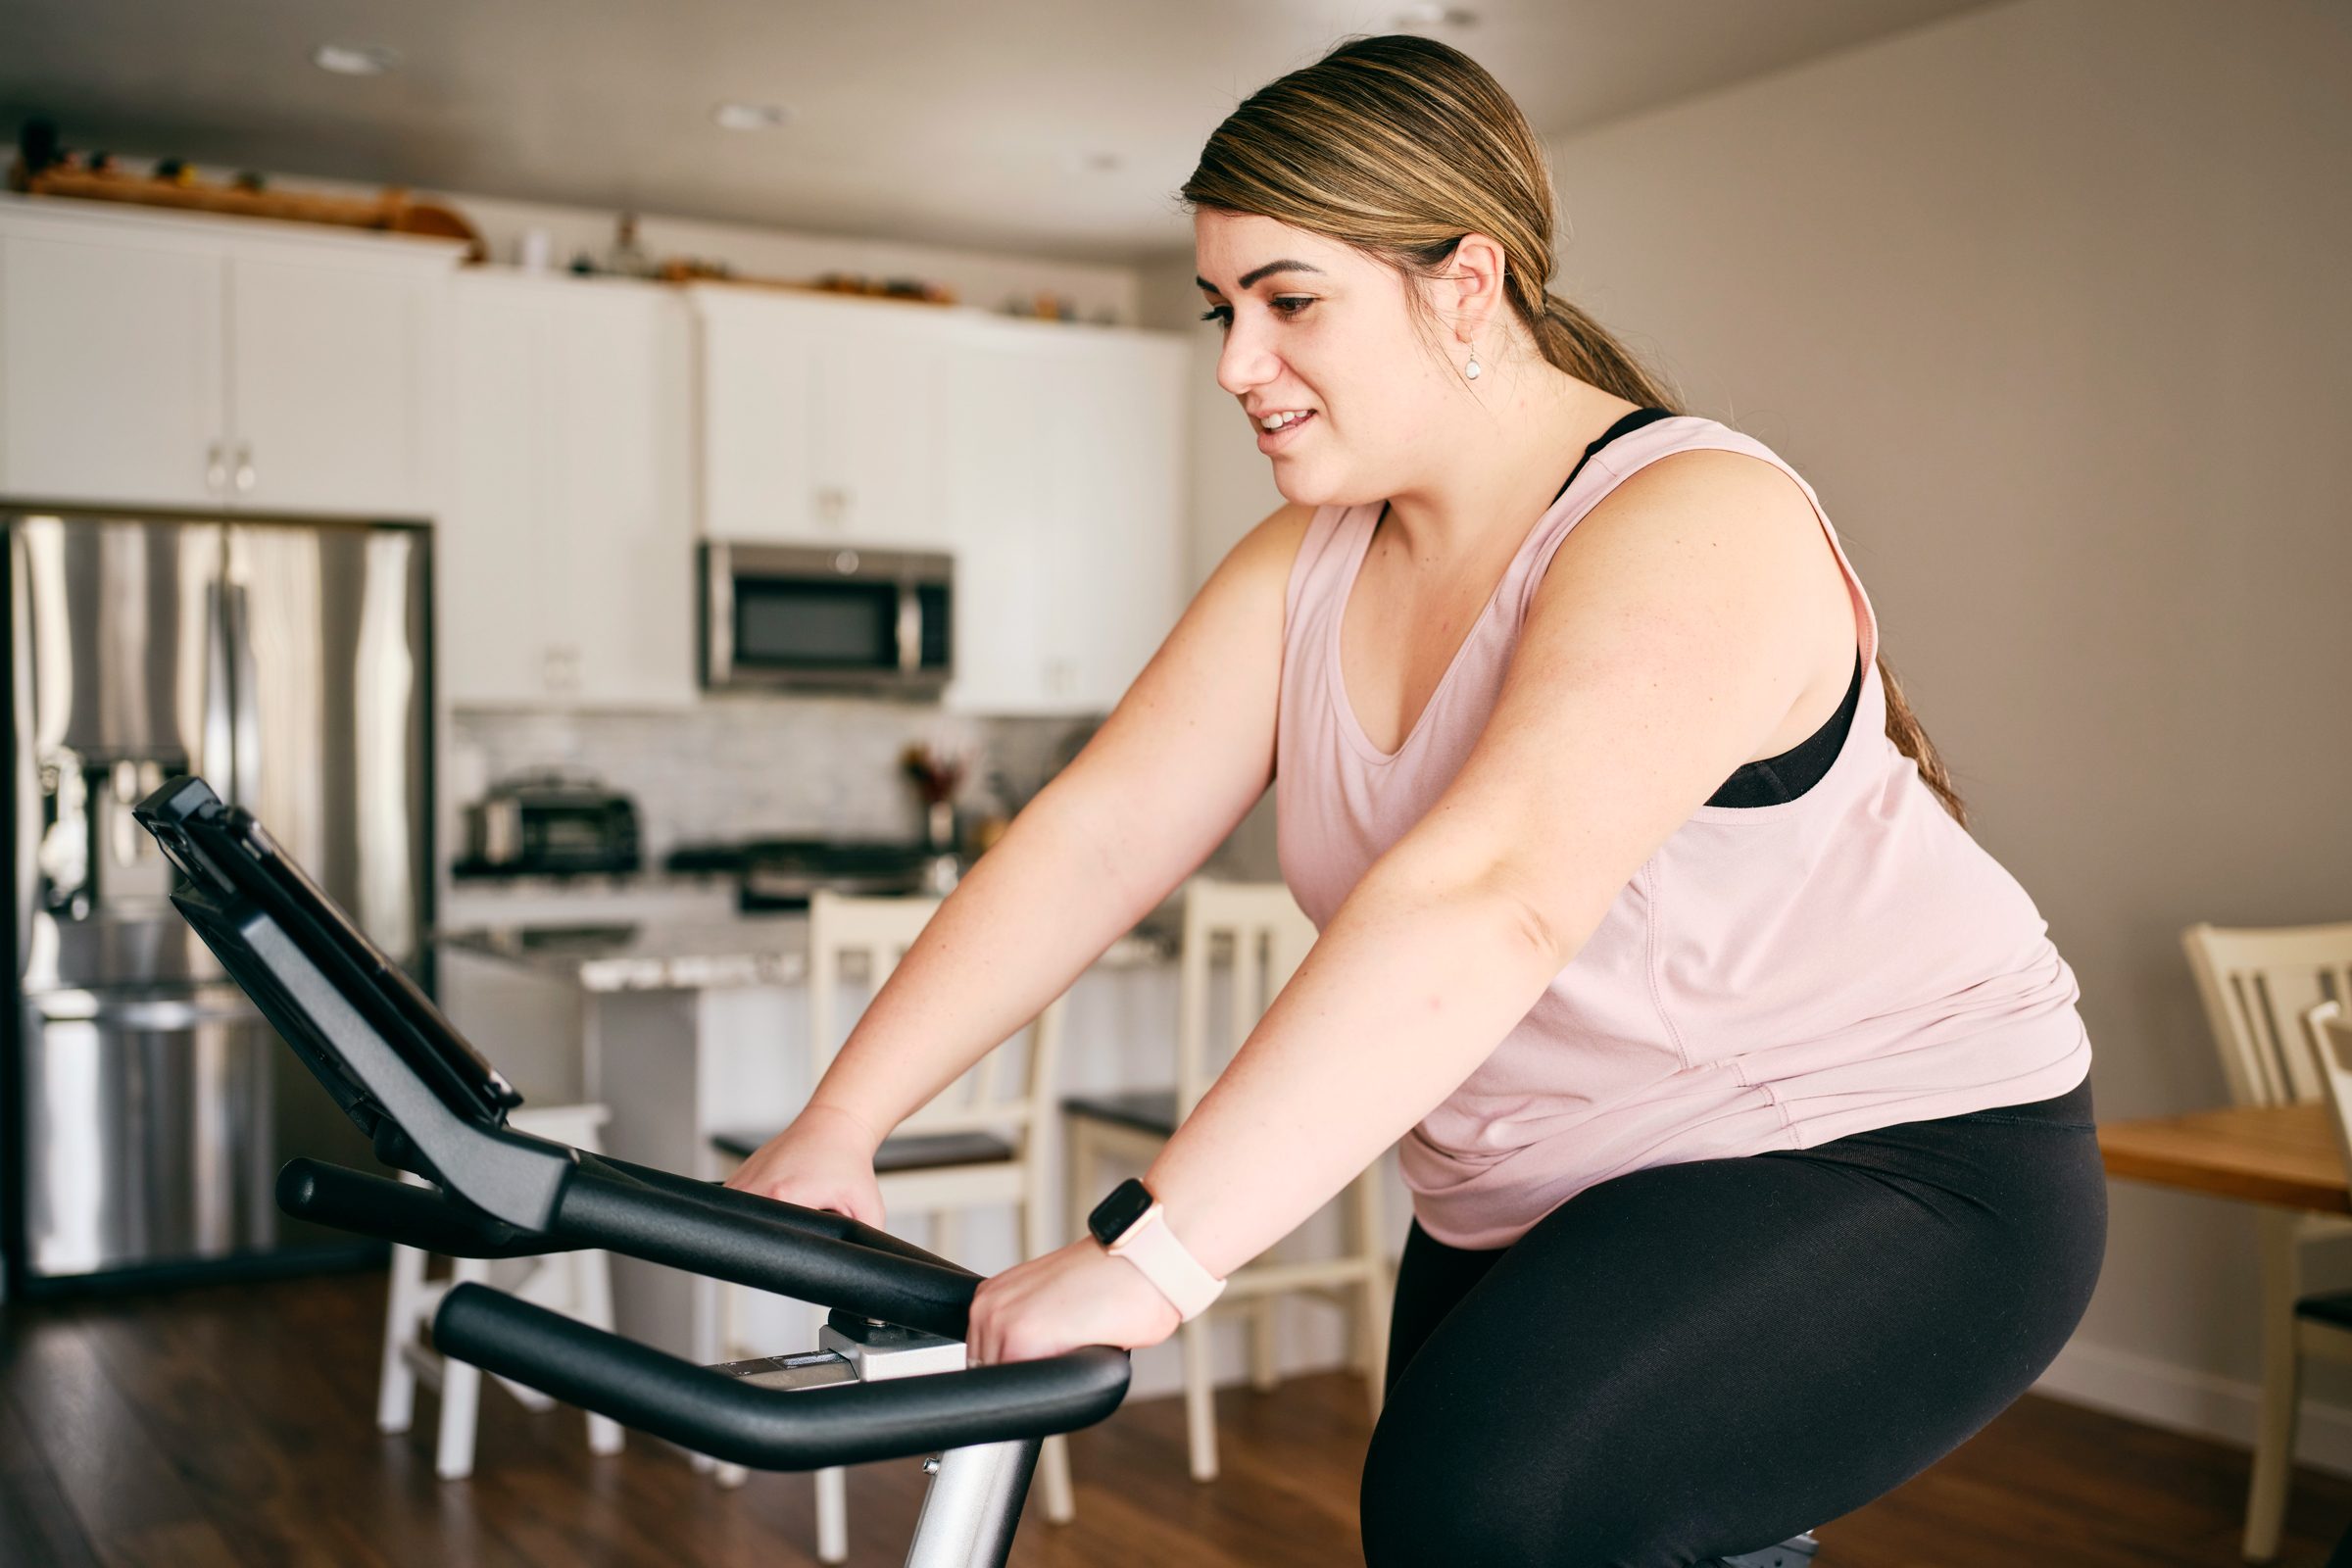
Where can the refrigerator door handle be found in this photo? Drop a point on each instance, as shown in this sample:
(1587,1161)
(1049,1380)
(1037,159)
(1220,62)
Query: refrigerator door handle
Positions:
(219,702)
(245,754)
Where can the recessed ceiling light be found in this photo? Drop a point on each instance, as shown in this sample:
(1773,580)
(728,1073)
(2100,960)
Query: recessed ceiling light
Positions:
(355,59)
(750,116)
(1430,15)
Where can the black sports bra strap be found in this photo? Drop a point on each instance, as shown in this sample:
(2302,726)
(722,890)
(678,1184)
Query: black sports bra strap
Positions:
(1625,427)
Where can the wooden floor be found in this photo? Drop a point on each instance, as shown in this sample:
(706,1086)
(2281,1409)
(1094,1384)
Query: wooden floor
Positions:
(231,1426)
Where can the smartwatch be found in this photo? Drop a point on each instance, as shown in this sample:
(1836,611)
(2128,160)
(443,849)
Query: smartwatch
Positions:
(1133,1224)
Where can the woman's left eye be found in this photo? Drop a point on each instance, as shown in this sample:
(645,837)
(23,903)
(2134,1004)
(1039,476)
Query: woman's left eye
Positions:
(1289,306)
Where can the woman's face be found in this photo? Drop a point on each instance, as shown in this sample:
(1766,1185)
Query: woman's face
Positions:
(1311,325)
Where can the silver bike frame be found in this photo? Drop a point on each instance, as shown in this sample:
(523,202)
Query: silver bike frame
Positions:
(974,1496)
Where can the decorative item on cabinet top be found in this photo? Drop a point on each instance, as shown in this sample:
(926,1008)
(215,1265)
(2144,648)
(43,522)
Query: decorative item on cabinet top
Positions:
(44,167)
(909,290)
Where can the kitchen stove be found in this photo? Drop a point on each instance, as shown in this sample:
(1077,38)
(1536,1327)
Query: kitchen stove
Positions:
(776,875)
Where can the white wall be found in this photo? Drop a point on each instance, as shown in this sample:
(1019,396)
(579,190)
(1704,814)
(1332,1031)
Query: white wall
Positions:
(2050,302)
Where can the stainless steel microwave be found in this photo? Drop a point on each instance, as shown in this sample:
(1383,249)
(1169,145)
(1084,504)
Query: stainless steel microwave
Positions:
(826,618)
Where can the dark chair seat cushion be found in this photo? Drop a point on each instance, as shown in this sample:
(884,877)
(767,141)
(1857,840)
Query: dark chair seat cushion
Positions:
(910,1151)
(2335,1306)
(1147,1110)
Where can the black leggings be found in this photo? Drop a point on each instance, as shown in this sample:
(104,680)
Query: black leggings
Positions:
(1706,1358)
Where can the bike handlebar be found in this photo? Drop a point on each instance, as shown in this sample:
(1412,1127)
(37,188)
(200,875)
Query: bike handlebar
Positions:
(813,1255)
(421,1217)
(776,1429)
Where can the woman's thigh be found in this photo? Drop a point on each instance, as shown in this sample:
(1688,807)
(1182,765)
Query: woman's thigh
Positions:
(1708,1357)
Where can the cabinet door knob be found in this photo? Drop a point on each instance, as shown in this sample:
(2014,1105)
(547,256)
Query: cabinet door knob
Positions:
(245,471)
(832,505)
(216,468)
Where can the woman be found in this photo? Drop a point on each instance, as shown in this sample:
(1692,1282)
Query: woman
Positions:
(1742,1098)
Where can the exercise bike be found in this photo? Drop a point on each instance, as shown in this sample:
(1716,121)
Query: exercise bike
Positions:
(887,1379)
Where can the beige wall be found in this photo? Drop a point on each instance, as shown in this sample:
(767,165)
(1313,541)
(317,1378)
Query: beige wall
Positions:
(2049,303)
(2052,304)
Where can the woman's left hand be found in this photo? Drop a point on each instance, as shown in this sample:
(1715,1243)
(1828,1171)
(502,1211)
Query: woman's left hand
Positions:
(1078,1295)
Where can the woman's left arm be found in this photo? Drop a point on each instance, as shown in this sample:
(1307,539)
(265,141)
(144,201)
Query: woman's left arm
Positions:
(1671,636)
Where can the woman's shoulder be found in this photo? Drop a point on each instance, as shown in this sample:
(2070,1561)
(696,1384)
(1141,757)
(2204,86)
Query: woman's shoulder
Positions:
(1689,445)
(1266,558)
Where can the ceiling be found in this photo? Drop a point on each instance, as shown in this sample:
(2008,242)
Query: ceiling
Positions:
(943,121)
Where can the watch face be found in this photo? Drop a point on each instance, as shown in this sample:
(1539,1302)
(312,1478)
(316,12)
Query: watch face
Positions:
(1128,1203)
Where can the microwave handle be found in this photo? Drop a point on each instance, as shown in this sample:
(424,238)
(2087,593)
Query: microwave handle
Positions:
(718,614)
(911,630)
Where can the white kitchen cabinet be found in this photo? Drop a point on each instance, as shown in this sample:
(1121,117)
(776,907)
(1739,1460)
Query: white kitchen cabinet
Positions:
(822,417)
(218,363)
(331,385)
(566,556)
(1001,385)
(111,373)
(1065,478)
(1118,483)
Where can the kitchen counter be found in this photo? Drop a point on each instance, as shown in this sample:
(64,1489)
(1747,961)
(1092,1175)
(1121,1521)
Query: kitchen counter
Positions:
(715,954)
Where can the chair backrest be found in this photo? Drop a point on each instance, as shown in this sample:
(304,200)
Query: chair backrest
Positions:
(2255,983)
(2330,1031)
(1010,1090)
(1269,937)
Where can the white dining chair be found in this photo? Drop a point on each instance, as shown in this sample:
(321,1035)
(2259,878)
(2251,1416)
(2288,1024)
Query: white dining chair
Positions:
(979,1143)
(2257,984)
(577,1283)
(1267,937)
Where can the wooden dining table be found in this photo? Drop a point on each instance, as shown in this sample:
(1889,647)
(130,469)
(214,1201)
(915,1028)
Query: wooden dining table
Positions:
(2281,1155)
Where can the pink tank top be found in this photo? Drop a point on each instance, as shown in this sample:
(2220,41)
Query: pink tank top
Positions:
(1773,977)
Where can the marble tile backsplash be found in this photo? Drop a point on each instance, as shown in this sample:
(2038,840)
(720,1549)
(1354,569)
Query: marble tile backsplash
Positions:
(760,766)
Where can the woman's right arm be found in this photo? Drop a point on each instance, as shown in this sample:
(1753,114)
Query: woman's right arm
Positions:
(1185,755)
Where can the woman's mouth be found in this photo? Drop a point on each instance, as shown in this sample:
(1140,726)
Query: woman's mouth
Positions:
(1276,439)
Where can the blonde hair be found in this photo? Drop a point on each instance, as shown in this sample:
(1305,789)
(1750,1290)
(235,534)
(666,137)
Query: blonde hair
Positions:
(1398,146)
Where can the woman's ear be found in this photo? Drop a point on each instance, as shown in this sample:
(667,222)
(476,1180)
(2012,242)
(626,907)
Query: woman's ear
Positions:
(1470,292)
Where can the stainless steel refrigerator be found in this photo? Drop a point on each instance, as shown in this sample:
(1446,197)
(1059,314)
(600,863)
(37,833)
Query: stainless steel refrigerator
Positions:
(149,1104)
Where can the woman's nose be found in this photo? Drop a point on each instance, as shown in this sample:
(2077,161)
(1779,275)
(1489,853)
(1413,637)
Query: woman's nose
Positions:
(1245,362)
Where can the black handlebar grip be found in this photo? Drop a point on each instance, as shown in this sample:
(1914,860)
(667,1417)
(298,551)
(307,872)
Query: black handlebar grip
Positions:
(817,1223)
(775,1429)
(395,1211)
(804,1253)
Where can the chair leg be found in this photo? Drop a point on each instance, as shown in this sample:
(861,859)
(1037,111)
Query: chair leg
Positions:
(1054,1461)
(460,1394)
(592,1278)
(1266,1355)
(396,1382)
(2275,1435)
(1053,1465)
(832,1483)
(832,1515)
(1199,1399)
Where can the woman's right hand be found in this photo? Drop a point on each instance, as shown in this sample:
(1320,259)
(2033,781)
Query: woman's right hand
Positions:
(824,1159)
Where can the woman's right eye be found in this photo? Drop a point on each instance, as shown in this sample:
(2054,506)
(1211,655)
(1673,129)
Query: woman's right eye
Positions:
(1222,314)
